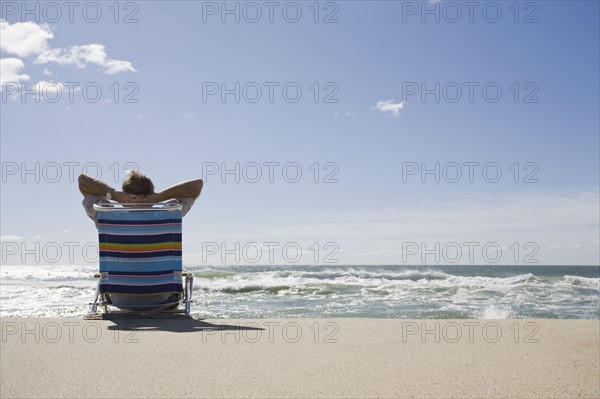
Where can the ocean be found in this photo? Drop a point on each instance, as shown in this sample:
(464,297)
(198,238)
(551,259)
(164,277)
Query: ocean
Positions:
(430,292)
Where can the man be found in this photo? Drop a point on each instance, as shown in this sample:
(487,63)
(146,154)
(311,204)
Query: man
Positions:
(136,188)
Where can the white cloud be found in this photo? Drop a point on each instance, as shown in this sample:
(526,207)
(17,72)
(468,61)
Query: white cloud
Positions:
(81,56)
(10,238)
(28,38)
(345,114)
(9,71)
(49,89)
(47,72)
(24,38)
(189,115)
(390,106)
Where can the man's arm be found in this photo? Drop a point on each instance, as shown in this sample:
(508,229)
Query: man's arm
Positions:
(186,189)
(91,186)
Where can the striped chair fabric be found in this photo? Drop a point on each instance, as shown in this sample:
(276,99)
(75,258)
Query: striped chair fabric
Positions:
(140,252)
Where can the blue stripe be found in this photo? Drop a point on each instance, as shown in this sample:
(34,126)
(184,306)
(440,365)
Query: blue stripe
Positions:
(142,217)
(149,266)
(133,230)
(140,273)
(118,222)
(139,239)
(137,264)
(151,289)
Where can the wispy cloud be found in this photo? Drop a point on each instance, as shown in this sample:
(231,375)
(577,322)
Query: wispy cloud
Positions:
(10,237)
(48,88)
(11,68)
(189,115)
(82,56)
(390,106)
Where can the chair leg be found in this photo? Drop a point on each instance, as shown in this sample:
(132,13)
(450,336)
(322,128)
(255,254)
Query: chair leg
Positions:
(185,288)
(188,308)
(105,300)
(94,307)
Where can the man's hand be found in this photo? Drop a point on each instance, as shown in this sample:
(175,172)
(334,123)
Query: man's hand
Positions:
(143,199)
(153,198)
(124,197)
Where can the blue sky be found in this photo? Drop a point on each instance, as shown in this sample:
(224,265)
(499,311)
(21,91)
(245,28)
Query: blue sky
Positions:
(371,55)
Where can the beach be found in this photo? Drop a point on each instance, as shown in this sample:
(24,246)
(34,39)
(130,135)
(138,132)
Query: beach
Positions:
(300,357)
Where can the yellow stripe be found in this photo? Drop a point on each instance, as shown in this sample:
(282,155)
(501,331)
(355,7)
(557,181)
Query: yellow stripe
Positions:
(107,246)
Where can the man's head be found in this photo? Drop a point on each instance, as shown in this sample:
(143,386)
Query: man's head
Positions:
(137,183)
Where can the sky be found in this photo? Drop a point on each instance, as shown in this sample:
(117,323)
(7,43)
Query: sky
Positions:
(348,132)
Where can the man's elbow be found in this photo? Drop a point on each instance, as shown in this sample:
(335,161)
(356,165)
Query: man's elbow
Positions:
(198,184)
(82,181)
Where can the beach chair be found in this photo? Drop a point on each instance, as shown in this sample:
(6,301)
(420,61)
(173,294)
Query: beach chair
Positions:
(140,267)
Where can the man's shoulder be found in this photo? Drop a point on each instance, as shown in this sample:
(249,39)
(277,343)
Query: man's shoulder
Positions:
(88,204)
(89,199)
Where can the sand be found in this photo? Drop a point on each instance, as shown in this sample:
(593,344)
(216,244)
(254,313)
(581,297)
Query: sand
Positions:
(76,358)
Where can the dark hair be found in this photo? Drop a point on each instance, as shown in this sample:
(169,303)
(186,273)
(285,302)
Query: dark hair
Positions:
(137,183)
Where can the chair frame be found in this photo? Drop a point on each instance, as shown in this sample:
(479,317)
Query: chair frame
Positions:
(102,299)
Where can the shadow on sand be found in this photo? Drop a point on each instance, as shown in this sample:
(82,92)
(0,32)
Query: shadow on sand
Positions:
(179,324)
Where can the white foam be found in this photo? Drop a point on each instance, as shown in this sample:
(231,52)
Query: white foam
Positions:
(583,281)
(65,291)
(496,312)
